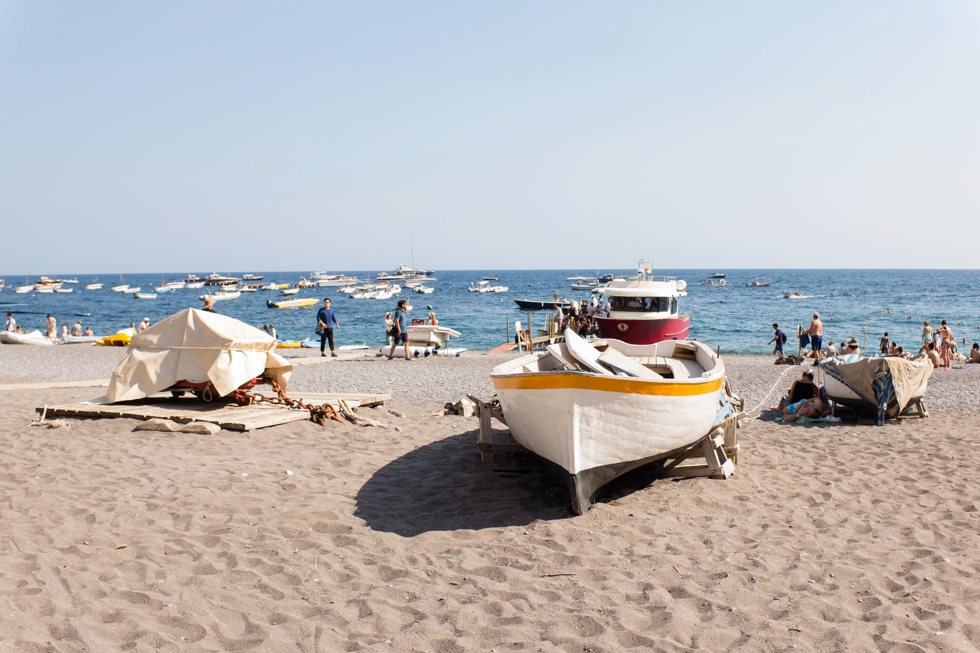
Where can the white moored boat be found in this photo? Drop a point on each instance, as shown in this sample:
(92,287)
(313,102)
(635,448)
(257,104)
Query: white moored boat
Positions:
(602,409)
(223,296)
(29,338)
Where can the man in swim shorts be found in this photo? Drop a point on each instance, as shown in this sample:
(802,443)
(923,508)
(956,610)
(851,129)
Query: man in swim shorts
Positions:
(815,331)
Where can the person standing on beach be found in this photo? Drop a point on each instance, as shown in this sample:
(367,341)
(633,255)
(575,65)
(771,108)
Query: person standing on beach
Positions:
(401,331)
(926,335)
(11,324)
(77,329)
(778,339)
(815,331)
(883,344)
(325,323)
(51,327)
(389,329)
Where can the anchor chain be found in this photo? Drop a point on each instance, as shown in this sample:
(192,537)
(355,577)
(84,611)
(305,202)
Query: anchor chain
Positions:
(318,414)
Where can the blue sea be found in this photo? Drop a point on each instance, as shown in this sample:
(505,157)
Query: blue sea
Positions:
(736,318)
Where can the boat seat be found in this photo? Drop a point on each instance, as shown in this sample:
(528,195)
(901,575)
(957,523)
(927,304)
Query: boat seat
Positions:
(679,369)
(626,366)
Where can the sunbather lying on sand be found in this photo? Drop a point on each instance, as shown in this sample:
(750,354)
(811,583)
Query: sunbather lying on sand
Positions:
(814,408)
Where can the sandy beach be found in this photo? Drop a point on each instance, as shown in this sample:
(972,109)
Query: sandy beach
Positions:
(341,538)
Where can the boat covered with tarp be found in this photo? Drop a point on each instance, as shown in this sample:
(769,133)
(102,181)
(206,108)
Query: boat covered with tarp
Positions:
(195,348)
(884,386)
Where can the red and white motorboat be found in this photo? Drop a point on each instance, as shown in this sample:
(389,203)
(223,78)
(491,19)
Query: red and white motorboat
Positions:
(644,310)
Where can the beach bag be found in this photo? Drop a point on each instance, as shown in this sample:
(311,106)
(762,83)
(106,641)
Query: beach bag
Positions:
(782,337)
(804,340)
(319,329)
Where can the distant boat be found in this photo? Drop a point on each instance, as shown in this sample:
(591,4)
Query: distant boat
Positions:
(23,290)
(290,291)
(223,296)
(193,284)
(122,288)
(30,338)
(252,277)
(423,290)
(716,275)
(759,282)
(793,295)
(44,291)
(714,280)
(269,286)
(535,305)
(63,290)
(293,303)
(491,278)
(145,295)
(93,286)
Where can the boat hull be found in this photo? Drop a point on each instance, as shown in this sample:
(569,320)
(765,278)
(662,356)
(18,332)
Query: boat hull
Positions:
(598,428)
(645,332)
(535,305)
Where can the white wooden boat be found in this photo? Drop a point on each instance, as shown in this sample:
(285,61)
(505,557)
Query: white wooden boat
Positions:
(23,290)
(194,285)
(289,291)
(600,410)
(93,286)
(123,288)
(145,295)
(759,282)
(44,291)
(269,286)
(63,291)
(423,290)
(29,338)
(223,296)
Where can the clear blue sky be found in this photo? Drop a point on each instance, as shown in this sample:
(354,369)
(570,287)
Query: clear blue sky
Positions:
(142,137)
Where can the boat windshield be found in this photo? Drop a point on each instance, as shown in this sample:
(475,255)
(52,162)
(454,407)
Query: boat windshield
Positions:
(643,304)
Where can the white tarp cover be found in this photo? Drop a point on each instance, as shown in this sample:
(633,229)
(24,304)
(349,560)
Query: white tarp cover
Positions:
(196,346)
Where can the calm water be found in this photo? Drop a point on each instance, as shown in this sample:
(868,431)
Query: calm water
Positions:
(735,317)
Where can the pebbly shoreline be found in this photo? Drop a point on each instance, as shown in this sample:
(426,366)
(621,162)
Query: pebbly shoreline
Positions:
(436,380)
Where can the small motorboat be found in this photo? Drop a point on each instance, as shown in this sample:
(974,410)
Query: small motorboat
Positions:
(303,283)
(193,284)
(223,296)
(541,305)
(251,277)
(290,291)
(491,278)
(122,288)
(293,303)
(759,282)
(29,338)
(93,286)
(713,281)
(793,295)
(247,288)
(269,286)
(23,290)
(423,290)
(599,410)
(44,290)
(80,340)
(883,386)
(145,295)
(63,291)
(645,310)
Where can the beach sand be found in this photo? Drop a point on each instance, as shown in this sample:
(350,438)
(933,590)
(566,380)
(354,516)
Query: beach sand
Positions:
(339,538)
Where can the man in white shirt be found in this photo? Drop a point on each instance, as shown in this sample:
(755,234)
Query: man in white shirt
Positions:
(10,324)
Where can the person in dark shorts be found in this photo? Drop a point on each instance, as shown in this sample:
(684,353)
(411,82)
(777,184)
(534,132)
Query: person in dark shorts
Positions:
(326,321)
(778,338)
(815,331)
(400,319)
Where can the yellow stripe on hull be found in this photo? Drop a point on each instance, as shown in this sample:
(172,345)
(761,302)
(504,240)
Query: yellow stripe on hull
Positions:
(552,381)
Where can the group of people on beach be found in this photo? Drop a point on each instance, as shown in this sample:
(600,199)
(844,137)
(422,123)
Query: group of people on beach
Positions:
(580,317)
(938,344)
(50,328)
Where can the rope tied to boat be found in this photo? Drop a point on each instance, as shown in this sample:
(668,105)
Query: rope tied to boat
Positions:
(766,398)
(319,414)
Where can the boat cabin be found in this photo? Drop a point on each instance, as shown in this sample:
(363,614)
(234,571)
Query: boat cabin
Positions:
(650,298)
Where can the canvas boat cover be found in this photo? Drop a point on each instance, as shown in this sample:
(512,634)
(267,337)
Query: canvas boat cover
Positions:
(196,346)
(886,383)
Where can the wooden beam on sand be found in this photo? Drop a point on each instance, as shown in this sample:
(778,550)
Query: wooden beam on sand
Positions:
(226,415)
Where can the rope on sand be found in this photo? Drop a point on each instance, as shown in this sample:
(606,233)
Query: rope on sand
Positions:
(764,399)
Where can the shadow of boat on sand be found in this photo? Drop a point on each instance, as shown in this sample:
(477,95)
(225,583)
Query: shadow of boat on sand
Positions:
(444,486)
